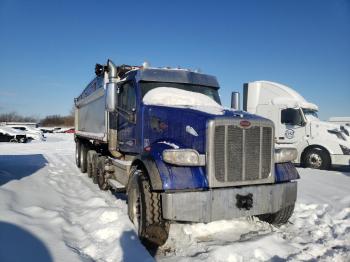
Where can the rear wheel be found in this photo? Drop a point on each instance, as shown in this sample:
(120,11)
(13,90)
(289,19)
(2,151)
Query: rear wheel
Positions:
(77,153)
(317,158)
(90,163)
(95,158)
(83,155)
(144,209)
(279,218)
(101,173)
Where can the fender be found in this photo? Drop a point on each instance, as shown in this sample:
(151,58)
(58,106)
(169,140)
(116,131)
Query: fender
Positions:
(149,164)
(164,176)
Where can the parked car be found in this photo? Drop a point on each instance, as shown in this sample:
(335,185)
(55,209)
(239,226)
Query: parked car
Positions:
(71,131)
(31,132)
(8,134)
(46,129)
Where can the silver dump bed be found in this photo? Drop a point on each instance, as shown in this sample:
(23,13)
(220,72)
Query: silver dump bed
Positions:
(90,113)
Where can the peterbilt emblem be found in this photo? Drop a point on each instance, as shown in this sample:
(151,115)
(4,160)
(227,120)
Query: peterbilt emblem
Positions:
(289,133)
(245,123)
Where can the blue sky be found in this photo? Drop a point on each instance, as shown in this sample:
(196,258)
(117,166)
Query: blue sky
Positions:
(48,49)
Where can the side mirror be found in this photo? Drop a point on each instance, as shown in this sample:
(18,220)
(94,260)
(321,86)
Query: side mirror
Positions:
(111,97)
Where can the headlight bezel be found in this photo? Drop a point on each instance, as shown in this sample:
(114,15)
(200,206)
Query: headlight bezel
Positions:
(183,157)
(287,154)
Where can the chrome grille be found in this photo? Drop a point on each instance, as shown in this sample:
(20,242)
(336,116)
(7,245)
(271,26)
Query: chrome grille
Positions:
(237,155)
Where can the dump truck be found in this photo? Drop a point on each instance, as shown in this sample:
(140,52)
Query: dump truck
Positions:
(162,136)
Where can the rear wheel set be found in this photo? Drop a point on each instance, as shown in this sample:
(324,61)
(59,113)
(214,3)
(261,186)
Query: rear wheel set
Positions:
(101,173)
(144,205)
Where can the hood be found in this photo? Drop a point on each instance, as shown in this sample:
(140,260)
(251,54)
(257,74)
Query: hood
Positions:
(183,127)
(179,117)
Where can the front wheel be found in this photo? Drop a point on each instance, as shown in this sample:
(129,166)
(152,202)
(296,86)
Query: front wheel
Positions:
(145,211)
(279,218)
(317,158)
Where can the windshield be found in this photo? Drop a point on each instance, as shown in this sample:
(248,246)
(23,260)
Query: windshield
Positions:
(205,90)
(310,114)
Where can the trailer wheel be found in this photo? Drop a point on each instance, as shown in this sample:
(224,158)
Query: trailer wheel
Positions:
(91,154)
(83,156)
(145,211)
(77,153)
(13,140)
(316,158)
(279,218)
(101,173)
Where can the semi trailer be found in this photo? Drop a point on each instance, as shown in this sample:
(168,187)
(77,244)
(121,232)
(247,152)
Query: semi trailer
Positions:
(162,136)
(320,144)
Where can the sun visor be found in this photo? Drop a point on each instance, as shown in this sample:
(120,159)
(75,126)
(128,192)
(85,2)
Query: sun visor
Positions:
(285,102)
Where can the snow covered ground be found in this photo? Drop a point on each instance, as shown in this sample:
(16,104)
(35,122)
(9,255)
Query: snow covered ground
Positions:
(49,211)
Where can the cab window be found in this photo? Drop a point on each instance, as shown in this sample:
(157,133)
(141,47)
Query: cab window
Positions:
(127,97)
(291,116)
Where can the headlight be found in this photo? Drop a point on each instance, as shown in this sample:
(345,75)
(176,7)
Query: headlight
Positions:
(346,150)
(285,155)
(183,157)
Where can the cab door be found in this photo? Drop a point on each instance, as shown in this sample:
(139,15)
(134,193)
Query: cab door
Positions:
(127,117)
(292,126)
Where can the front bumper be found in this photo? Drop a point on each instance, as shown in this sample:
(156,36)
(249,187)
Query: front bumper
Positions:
(218,204)
(340,160)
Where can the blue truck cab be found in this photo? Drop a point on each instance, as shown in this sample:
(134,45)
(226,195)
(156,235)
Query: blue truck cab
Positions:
(179,162)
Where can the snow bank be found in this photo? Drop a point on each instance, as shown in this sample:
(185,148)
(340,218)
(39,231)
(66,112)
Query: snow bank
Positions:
(174,97)
(318,231)
(52,212)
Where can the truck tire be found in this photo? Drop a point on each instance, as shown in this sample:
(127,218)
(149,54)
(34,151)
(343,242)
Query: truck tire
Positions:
(94,166)
(100,173)
(77,153)
(279,218)
(83,155)
(91,169)
(316,158)
(145,211)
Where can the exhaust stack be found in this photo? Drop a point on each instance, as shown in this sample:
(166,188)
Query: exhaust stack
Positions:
(112,116)
(235,98)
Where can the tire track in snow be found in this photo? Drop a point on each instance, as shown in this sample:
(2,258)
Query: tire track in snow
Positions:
(68,211)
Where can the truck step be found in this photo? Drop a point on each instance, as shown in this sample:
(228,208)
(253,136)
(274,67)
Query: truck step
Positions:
(116,185)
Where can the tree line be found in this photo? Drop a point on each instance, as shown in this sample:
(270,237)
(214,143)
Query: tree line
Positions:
(49,121)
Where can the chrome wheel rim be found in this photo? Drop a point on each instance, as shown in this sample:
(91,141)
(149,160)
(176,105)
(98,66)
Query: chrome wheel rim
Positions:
(81,159)
(136,208)
(315,160)
(76,154)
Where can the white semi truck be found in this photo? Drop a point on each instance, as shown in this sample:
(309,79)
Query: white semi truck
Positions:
(320,144)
